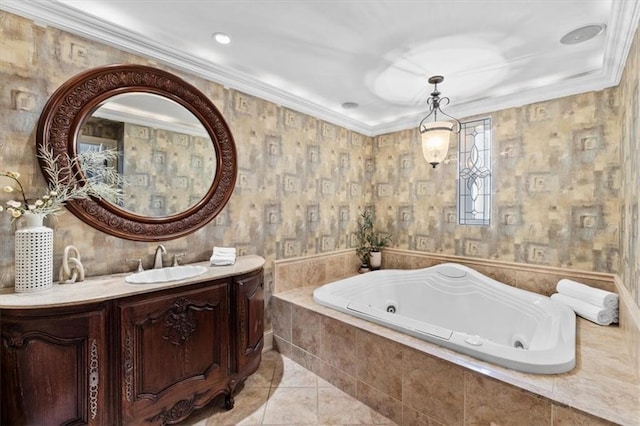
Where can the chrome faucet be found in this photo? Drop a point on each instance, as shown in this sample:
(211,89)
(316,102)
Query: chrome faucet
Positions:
(160,251)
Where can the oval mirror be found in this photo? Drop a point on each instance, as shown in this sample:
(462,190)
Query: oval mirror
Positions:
(176,153)
(166,156)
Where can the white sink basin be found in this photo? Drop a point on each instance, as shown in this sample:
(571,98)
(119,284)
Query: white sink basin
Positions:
(172,273)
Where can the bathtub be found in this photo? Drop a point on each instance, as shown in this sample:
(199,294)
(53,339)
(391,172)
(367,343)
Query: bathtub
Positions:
(457,307)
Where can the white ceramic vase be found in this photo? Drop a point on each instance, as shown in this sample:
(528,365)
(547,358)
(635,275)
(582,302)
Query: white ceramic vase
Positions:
(375,259)
(34,255)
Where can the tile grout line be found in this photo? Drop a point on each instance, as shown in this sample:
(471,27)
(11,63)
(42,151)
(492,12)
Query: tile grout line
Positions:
(270,393)
(264,410)
(317,403)
(465,389)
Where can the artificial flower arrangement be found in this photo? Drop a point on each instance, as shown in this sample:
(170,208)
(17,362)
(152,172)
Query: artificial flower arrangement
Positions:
(83,176)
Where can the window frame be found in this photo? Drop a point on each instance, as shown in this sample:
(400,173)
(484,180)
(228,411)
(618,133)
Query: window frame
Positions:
(474,187)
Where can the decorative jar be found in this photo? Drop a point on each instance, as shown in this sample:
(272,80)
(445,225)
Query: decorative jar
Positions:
(33,255)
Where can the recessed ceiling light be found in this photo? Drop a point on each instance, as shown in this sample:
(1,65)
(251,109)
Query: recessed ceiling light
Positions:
(222,38)
(350,105)
(582,34)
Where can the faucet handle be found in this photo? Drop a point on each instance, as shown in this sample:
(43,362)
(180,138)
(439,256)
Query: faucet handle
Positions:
(176,257)
(140,268)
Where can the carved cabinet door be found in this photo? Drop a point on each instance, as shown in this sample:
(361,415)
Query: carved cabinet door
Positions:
(173,352)
(249,322)
(54,367)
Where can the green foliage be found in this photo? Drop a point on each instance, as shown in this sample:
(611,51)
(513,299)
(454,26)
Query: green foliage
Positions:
(377,241)
(369,240)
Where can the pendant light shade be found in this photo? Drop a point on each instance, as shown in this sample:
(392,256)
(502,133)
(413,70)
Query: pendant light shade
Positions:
(436,134)
(435,141)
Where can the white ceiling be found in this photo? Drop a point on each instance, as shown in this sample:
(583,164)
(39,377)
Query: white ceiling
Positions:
(314,55)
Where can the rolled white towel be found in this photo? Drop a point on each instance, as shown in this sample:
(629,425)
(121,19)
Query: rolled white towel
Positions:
(598,314)
(595,296)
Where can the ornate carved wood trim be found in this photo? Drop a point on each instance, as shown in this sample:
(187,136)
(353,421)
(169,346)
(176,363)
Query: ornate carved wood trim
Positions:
(196,305)
(14,339)
(180,322)
(242,315)
(94,379)
(128,366)
(177,412)
(78,97)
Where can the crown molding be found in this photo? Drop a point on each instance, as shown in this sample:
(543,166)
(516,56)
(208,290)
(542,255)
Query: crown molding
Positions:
(625,18)
(620,32)
(66,18)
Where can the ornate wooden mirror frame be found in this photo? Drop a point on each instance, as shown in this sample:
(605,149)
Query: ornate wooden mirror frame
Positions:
(66,110)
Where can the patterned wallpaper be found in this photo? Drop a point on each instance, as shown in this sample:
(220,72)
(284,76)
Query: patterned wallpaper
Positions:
(556,180)
(559,191)
(565,179)
(167,172)
(565,186)
(301,183)
(629,121)
(103,129)
(160,181)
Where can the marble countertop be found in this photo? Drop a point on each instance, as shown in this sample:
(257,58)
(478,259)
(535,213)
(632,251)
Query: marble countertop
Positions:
(100,288)
(603,383)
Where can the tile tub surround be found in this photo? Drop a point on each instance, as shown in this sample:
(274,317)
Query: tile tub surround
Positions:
(405,378)
(538,279)
(316,270)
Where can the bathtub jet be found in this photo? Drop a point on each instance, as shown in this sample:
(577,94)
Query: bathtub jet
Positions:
(459,308)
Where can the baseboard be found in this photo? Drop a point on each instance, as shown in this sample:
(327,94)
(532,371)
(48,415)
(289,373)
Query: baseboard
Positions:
(268,341)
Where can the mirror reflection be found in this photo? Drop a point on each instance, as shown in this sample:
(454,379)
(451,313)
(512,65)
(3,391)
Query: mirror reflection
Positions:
(167,158)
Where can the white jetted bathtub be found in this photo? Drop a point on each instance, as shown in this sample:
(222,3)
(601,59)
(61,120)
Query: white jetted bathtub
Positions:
(459,308)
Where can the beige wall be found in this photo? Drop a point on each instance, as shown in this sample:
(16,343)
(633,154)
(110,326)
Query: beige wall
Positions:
(565,186)
(300,186)
(302,182)
(629,119)
(168,171)
(556,184)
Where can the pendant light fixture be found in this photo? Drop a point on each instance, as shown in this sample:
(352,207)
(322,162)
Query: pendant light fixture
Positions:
(435,134)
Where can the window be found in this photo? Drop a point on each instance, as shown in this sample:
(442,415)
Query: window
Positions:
(474,173)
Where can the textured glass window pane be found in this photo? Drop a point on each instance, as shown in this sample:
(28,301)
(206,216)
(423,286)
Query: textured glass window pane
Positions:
(474,173)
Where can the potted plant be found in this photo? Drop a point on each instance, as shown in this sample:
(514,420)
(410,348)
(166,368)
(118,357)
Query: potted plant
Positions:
(363,250)
(369,243)
(376,242)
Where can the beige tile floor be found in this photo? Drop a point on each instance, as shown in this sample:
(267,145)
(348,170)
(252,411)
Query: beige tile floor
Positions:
(282,392)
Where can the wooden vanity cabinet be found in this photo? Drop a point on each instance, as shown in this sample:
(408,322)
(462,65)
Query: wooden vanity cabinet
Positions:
(249,322)
(173,352)
(249,318)
(148,358)
(54,366)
